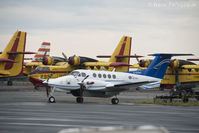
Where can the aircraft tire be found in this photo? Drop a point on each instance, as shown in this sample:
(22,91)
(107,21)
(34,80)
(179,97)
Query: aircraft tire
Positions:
(9,83)
(79,100)
(185,98)
(114,100)
(51,99)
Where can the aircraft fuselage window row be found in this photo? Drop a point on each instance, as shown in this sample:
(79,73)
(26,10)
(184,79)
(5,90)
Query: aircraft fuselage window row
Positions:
(95,75)
(104,76)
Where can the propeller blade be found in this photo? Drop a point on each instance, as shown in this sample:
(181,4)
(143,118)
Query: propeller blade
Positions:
(65,57)
(44,56)
(137,59)
(85,78)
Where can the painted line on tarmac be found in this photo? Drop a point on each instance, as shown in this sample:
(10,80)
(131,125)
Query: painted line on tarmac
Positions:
(42,124)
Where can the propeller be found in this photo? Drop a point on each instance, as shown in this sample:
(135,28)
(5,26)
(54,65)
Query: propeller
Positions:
(140,62)
(82,86)
(44,58)
(65,57)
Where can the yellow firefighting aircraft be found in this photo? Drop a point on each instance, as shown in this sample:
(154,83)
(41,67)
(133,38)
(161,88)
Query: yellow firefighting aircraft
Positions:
(37,60)
(55,67)
(181,72)
(12,58)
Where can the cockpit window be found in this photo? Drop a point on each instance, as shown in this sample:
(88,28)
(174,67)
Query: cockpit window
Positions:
(40,69)
(83,74)
(74,73)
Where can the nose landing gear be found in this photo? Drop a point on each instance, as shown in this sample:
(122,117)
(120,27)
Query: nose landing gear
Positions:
(79,99)
(115,100)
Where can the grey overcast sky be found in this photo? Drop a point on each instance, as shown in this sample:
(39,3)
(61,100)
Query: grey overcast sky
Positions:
(94,27)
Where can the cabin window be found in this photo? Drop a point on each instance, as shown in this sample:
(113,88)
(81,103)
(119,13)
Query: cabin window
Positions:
(83,74)
(189,70)
(114,76)
(99,75)
(104,75)
(94,75)
(109,76)
(130,77)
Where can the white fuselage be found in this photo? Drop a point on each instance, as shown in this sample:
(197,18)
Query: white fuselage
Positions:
(100,81)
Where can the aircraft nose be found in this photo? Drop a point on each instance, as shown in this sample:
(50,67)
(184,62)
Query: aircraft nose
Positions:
(45,82)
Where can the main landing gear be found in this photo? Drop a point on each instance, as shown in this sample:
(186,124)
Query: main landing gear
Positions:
(51,99)
(115,100)
(79,99)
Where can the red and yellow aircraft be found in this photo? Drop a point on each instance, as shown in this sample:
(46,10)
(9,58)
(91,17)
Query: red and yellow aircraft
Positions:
(12,58)
(37,60)
(179,72)
(62,66)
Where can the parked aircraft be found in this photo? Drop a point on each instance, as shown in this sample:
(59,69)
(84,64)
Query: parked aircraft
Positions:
(181,72)
(12,58)
(63,66)
(37,59)
(108,84)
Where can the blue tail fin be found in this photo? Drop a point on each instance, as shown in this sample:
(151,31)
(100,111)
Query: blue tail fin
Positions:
(158,66)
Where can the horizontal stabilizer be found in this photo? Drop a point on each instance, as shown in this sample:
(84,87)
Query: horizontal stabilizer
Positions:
(21,53)
(117,64)
(119,56)
(131,56)
(7,60)
(196,59)
(165,54)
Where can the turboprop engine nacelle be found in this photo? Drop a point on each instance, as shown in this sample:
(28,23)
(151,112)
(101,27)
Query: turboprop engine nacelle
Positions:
(79,60)
(74,60)
(47,60)
(179,63)
(175,64)
(144,62)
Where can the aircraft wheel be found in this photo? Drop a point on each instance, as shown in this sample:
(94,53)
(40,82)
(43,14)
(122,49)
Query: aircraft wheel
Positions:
(36,88)
(51,99)
(115,101)
(9,83)
(185,98)
(79,100)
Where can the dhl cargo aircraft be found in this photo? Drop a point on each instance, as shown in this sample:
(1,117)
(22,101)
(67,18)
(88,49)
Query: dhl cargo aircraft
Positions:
(55,67)
(179,72)
(37,60)
(12,57)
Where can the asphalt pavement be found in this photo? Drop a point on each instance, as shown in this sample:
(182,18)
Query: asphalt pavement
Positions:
(29,111)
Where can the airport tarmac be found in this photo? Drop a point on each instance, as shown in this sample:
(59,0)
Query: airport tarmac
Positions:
(28,111)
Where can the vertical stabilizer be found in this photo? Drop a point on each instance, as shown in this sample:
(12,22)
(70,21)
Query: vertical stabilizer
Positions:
(45,47)
(159,65)
(11,59)
(122,49)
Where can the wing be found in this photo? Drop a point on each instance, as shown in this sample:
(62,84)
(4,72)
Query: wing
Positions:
(118,87)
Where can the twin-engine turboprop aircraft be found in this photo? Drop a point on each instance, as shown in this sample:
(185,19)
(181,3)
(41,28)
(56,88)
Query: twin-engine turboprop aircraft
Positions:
(63,66)
(108,84)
